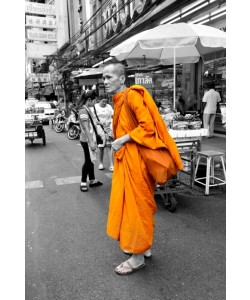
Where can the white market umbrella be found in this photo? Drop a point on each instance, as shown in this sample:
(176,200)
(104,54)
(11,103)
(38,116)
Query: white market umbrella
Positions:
(170,44)
(90,72)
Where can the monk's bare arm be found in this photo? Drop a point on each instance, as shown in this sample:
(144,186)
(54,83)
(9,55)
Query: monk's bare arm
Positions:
(118,143)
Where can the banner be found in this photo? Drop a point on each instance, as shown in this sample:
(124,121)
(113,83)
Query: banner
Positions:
(39,77)
(39,8)
(40,22)
(48,36)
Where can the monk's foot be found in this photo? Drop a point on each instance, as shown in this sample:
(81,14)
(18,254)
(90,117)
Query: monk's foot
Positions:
(130,266)
(147,253)
(136,260)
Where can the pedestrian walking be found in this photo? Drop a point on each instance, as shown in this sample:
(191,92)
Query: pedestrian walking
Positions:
(88,140)
(104,114)
(132,205)
(210,100)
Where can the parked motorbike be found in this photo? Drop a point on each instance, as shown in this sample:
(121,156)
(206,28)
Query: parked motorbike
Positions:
(59,123)
(74,130)
(73,125)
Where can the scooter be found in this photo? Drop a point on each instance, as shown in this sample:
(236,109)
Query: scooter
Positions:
(60,121)
(73,125)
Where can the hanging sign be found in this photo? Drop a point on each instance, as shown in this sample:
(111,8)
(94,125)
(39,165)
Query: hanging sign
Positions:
(39,77)
(43,22)
(145,79)
(39,8)
(49,36)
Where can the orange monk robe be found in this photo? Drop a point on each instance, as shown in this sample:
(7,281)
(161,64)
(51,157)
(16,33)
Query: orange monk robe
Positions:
(132,205)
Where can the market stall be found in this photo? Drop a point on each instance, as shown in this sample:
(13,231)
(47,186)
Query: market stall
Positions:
(187,133)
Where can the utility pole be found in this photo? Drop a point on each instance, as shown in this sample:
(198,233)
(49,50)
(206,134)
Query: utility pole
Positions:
(65,76)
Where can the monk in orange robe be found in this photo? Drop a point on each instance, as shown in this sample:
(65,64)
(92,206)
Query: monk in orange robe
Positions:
(132,205)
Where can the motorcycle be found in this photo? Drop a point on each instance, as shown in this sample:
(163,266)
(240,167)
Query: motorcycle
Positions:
(60,121)
(73,125)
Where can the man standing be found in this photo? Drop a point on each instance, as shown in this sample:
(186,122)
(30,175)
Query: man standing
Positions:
(132,205)
(210,100)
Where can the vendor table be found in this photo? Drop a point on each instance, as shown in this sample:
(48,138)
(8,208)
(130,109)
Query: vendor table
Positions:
(188,143)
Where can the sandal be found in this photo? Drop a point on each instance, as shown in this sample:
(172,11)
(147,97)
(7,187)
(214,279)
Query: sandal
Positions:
(95,183)
(127,268)
(83,188)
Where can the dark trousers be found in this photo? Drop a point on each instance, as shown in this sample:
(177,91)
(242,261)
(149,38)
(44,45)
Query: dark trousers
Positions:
(88,166)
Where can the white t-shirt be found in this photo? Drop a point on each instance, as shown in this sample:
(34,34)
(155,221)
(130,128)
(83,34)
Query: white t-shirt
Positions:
(211,98)
(104,113)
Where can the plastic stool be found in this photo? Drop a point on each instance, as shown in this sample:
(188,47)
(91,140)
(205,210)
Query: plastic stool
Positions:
(210,155)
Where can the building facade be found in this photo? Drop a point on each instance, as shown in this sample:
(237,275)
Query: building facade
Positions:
(49,25)
(114,21)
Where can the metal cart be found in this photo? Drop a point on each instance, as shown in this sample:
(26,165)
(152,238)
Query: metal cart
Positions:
(188,143)
(34,130)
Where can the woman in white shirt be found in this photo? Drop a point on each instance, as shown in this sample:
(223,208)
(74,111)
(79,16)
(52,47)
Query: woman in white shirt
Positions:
(104,114)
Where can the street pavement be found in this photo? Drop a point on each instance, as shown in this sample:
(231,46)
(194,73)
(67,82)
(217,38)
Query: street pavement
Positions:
(69,255)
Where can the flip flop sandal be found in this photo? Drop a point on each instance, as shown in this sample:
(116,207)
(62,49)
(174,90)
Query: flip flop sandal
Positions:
(129,269)
(83,188)
(95,183)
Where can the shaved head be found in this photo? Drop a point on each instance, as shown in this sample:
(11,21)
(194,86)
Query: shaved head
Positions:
(117,68)
(114,77)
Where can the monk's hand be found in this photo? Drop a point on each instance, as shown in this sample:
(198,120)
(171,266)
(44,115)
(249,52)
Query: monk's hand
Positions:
(117,144)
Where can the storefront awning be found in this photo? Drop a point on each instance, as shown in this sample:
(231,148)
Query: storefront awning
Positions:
(90,73)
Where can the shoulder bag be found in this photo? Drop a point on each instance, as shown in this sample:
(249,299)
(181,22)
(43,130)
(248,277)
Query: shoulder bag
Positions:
(99,139)
(159,162)
(109,133)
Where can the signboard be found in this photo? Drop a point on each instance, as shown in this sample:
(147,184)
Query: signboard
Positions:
(145,79)
(117,13)
(36,35)
(42,22)
(39,77)
(39,8)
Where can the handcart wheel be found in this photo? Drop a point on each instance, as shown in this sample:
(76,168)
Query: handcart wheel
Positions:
(169,202)
(172,203)
(43,137)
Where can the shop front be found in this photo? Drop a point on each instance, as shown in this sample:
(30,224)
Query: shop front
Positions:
(215,71)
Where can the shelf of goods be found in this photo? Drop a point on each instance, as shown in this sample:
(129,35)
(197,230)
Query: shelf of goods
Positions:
(188,138)
(188,133)
(188,142)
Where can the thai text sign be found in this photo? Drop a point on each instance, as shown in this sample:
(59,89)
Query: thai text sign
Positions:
(145,79)
(36,35)
(40,9)
(40,77)
(40,22)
